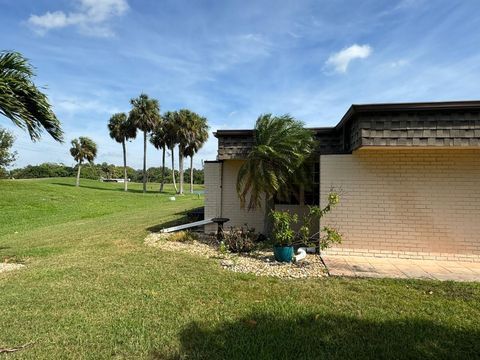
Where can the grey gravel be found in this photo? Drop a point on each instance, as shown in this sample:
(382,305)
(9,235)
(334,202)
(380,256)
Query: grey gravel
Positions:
(259,263)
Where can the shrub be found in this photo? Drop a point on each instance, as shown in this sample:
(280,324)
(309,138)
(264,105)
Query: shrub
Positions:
(240,239)
(328,235)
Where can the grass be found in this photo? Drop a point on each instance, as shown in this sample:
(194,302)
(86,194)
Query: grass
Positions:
(92,290)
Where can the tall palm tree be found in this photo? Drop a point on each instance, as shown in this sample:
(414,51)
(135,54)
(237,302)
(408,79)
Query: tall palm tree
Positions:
(170,123)
(145,114)
(159,141)
(22,102)
(83,149)
(122,130)
(281,147)
(185,135)
(200,136)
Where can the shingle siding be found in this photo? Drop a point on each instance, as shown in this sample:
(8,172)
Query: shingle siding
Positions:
(235,146)
(438,129)
(421,128)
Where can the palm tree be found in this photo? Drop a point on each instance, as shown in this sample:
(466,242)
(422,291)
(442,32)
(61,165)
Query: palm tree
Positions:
(200,136)
(170,124)
(159,141)
(281,146)
(122,130)
(22,102)
(185,135)
(82,149)
(145,114)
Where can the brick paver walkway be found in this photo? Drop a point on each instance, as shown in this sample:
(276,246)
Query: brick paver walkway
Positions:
(357,266)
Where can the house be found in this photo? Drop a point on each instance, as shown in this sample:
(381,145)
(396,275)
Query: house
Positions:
(408,174)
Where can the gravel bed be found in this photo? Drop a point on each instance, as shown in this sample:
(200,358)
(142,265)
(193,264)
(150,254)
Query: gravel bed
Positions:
(4,267)
(260,263)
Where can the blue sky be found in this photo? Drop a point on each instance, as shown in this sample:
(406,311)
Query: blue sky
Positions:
(233,60)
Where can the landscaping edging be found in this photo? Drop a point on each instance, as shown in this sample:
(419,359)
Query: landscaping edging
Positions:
(259,263)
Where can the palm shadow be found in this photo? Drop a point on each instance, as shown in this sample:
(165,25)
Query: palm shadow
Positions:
(325,336)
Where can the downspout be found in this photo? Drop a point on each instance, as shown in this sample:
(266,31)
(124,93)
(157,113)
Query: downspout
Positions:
(317,248)
(221,189)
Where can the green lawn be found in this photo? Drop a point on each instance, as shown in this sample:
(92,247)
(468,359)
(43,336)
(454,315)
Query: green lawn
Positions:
(92,290)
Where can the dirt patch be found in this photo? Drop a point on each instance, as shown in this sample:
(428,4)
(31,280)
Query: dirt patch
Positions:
(4,267)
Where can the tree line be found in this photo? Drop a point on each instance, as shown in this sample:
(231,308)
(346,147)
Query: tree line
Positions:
(26,106)
(98,171)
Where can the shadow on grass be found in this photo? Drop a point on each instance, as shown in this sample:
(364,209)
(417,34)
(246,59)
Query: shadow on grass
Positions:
(188,216)
(325,337)
(135,191)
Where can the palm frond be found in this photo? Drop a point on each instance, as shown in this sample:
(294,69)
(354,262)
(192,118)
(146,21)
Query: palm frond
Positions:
(22,102)
(281,147)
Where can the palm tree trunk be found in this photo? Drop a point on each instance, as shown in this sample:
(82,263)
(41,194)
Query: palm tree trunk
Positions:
(173,170)
(125,180)
(163,170)
(269,206)
(180,171)
(191,174)
(144,161)
(78,173)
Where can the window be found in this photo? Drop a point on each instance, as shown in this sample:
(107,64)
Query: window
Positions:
(310,195)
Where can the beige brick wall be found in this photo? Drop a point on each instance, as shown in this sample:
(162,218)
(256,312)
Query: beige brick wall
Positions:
(416,203)
(223,200)
(212,173)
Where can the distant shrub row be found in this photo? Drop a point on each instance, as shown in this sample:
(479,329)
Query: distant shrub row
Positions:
(96,172)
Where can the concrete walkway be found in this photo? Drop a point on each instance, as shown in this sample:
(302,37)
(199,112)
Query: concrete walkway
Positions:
(357,266)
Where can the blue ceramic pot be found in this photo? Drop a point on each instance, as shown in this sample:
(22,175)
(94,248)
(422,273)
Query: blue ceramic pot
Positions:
(283,253)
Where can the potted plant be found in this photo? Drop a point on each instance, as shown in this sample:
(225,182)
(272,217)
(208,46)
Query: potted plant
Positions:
(283,235)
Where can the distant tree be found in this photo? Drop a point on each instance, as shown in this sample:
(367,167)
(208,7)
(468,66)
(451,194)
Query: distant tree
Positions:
(7,157)
(199,135)
(121,130)
(145,115)
(159,141)
(44,170)
(281,147)
(171,129)
(83,149)
(22,102)
(197,176)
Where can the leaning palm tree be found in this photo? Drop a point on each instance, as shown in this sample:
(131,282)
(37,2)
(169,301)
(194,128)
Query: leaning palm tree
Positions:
(145,114)
(83,149)
(281,147)
(22,102)
(200,136)
(171,129)
(159,141)
(122,130)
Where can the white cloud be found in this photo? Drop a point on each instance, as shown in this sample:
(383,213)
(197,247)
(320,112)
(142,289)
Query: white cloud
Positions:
(91,17)
(339,61)
(399,63)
